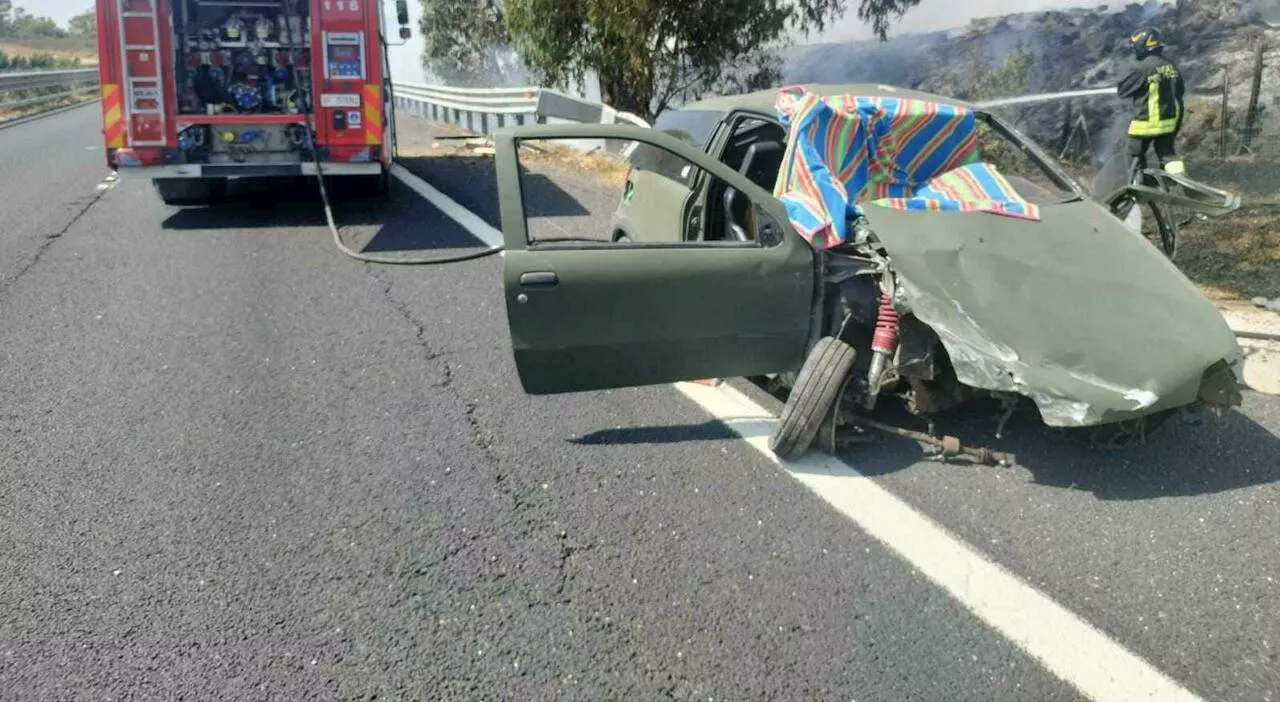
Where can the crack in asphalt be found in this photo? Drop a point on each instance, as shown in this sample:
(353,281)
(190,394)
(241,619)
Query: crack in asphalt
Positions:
(50,238)
(522,508)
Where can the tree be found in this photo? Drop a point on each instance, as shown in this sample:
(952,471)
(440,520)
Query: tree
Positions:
(647,54)
(84,25)
(880,12)
(464,40)
(28,26)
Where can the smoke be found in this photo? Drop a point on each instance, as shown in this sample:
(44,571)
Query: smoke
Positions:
(499,67)
(943,15)
(1261,10)
(1111,138)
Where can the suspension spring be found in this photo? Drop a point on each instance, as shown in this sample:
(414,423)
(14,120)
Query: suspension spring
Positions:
(886,336)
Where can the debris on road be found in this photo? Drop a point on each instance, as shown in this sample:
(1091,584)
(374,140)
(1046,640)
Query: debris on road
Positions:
(947,446)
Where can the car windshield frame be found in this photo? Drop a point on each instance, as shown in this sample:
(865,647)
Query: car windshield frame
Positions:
(1037,155)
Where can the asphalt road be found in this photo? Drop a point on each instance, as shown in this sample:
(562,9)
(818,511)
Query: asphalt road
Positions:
(235,460)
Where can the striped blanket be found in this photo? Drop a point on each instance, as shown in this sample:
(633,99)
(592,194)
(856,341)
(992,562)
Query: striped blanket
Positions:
(894,152)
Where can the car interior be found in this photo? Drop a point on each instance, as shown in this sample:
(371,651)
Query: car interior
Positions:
(757,145)
(754,149)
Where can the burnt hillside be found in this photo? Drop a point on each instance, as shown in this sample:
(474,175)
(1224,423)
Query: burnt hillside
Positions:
(1079,49)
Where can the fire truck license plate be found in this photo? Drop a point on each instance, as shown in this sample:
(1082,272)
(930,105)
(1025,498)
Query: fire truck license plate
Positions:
(339,100)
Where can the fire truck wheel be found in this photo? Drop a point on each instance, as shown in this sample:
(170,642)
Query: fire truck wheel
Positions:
(812,397)
(359,186)
(379,185)
(180,192)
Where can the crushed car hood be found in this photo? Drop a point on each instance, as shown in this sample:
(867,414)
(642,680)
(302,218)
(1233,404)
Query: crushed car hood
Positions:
(1058,302)
(1077,312)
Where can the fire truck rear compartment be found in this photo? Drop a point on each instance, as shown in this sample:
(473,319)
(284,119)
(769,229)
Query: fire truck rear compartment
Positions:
(247,67)
(249,57)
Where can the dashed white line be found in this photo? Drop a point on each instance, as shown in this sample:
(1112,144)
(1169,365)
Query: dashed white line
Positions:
(108,182)
(1065,644)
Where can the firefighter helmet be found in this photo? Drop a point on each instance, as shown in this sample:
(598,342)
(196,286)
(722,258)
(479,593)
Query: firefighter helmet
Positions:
(1146,41)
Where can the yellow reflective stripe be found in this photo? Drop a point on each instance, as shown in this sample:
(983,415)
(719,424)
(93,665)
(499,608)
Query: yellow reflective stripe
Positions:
(1153,98)
(1140,128)
(1153,125)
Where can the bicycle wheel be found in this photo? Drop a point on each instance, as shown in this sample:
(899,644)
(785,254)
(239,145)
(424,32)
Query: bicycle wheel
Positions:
(1163,231)
(1166,229)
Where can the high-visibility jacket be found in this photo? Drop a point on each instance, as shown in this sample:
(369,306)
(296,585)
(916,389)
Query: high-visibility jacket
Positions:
(1156,88)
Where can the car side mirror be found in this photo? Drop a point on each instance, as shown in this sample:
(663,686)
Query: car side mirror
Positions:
(402,17)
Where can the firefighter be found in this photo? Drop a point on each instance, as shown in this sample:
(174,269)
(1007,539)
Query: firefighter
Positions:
(1156,89)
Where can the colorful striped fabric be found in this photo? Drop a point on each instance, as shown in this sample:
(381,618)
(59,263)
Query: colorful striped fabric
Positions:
(896,152)
(975,187)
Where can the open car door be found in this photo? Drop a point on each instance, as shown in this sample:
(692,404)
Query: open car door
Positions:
(590,313)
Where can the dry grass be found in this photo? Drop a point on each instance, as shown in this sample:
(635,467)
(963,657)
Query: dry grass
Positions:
(1235,257)
(7,115)
(608,168)
(84,49)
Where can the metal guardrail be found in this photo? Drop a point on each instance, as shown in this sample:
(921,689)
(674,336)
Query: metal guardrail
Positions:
(56,78)
(15,88)
(484,110)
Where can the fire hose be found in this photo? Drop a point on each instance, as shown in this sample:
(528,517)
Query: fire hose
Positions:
(309,118)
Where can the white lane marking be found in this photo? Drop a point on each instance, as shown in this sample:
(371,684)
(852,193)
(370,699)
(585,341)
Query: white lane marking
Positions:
(1065,644)
(469,220)
(108,182)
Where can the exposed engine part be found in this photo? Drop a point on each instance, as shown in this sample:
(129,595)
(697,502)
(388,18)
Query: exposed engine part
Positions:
(1010,405)
(947,446)
(883,345)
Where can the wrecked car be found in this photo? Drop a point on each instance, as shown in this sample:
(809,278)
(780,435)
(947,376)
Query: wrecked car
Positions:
(851,245)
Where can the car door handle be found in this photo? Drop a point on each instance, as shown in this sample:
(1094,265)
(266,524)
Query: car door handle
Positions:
(540,279)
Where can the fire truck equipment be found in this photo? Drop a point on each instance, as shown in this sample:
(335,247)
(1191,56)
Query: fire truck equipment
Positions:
(178,74)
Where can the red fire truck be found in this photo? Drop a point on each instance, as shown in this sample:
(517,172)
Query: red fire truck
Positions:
(197,92)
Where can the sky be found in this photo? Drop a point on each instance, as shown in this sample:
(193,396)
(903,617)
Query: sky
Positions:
(59,11)
(929,15)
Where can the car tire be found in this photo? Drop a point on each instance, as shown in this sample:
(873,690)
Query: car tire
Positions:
(815,392)
(378,186)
